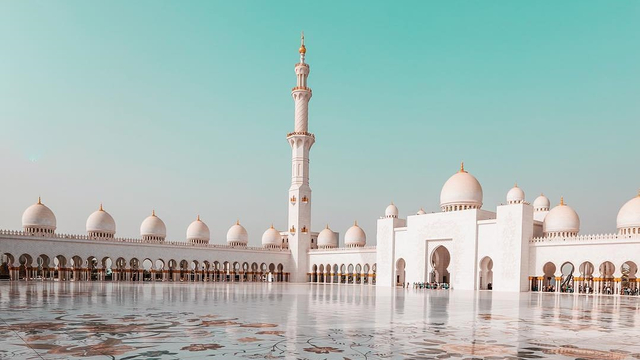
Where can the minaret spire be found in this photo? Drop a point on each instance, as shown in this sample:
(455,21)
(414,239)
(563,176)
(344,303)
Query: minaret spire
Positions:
(300,141)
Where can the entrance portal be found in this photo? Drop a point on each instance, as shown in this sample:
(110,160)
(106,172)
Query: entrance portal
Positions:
(440,259)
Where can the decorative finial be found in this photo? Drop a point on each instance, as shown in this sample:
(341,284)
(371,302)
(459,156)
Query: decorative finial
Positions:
(272,225)
(101,207)
(638,192)
(516,184)
(237,221)
(198,217)
(462,166)
(39,200)
(561,200)
(302,49)
(355,223)
(327,226)
(153,212)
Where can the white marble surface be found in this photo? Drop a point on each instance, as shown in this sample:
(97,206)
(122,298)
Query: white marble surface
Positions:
(52,320)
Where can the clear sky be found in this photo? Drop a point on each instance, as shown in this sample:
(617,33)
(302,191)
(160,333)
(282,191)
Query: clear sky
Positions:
(183,107)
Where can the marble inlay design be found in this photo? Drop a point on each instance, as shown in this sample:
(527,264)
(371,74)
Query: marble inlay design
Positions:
(51,320)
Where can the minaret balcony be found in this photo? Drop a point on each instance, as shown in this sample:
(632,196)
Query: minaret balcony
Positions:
(301,88)
(304,133)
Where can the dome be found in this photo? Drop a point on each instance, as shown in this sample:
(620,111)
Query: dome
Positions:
(271,238)
(515,195)
(391,211)
(541,203)
(237,235)
(198,232)
(562,220)
(153,228)
(628,220)
(327,238)
(355,236)
(462,191)
(39,218)
(101,224)
(421,212)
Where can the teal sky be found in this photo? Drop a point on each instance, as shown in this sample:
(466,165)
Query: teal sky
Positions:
(183,107)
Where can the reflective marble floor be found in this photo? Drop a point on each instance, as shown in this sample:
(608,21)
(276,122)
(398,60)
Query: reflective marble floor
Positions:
(54,320)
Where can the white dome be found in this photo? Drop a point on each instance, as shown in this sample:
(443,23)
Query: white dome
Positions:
(541,203)
(153,228)
(198,231)
(327,239)
(515,195)
(237,234)
(391,211)
(562,220)
(629,214)
(421,212)
(355,236)
(101,222)
(38,217)
(462,191)
(271,238)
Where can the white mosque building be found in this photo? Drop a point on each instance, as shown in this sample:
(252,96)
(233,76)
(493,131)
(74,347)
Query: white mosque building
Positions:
(516,247)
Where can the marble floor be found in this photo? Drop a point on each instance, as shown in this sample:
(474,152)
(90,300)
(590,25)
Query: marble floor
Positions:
(62,320)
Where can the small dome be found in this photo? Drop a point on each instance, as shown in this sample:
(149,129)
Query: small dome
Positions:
(515,195)
(237,235)
(271,238)
(355,236)
(38,218)
(391,211)
(629,216)
(562,220)
(462,191)
(152,228)
(327,238)
(198,232)
(421,212)
(541,203)
(101,224)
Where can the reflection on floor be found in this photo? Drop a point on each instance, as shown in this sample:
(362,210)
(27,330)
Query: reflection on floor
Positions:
(53,320)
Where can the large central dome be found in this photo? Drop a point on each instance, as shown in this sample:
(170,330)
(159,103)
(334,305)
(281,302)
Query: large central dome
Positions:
(461,192)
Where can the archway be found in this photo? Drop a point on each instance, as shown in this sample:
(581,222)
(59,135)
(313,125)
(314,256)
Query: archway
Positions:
(400,272)
(160,270)
(440,259)
(107,268)
(5,266)
(358,274)
(606,273)
(486,273)
(43,263)
(628,285)
(365,270)
(92,268)
(147,266)
(549,282)
(586,277)
(350,274)
(567,277)
(25,265)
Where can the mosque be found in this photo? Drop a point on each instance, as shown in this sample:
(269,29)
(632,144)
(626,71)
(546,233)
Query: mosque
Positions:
(516,247)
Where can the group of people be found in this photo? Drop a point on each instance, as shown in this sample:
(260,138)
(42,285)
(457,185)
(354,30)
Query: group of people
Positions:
(430,285)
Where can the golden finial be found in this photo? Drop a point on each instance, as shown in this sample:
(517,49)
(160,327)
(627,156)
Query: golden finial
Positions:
(355,223)
(327,226)
(302,49)
(516,184)
(100,207)
(561,200)
(237,221)
(638,192)
(39,200)
(153,212)
(272,225)
(198,217)
(462,166)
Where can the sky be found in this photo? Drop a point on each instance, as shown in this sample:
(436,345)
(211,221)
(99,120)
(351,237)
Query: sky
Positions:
(183,107)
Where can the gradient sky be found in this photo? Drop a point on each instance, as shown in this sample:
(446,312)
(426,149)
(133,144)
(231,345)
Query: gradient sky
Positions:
(183,107)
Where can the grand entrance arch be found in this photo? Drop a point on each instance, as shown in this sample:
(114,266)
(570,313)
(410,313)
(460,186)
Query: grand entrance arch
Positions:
(440,260)
(400,272)
(486,273)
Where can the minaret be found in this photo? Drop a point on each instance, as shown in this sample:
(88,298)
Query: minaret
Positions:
(300,192)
